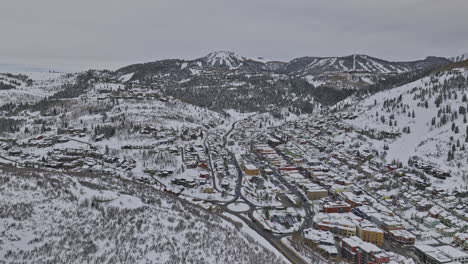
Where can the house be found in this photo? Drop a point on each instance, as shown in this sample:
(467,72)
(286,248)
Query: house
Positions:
(357,251)
(203,165)
(391,224)
(421,251)
(441,254)
(435,211)
(250,169)
(339,224)
(184,182)
(315,237)
(336,207)
(204,175)
(321,241)
(352,199)
(369,232)
(445,230)
(386,222)
(286,220)
(461,239)
(288,168)
(316,192)
(431,222)
(364,211)
(423,206)
(402,237)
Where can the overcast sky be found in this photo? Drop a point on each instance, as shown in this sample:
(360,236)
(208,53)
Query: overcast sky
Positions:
(113,33)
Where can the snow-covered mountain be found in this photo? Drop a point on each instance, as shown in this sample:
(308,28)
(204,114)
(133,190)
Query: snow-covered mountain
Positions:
(56,218)
(224,58)
(27,87)
(460,58)
(353,63)
(426,119)
(300,67)
(254,83)
(354,71)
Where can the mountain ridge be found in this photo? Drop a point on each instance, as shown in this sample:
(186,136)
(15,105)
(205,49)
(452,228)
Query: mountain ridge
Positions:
(460,58)
(251,84)
(233,61)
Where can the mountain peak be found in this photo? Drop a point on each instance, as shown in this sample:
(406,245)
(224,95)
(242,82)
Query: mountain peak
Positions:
(223,58)
(221,53)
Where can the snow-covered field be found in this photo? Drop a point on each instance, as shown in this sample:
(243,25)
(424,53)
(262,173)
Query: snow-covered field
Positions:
(48,217)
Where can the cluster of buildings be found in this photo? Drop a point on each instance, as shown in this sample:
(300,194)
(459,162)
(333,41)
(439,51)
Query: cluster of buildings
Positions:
(357,251)
(114,90)
(440,254)
(356,198)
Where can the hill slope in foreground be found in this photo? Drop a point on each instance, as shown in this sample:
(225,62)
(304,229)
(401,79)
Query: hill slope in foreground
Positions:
(430,117)
(54,218)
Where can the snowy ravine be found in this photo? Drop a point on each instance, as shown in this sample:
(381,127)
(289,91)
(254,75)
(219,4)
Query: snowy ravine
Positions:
(83,218)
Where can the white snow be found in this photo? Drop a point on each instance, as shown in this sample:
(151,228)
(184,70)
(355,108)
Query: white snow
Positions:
(249,231)
(227,58)
(126,77)
(238,207)
(424,140)
(311,79)
(460,58)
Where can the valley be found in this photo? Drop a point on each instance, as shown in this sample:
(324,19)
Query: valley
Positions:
(228,159)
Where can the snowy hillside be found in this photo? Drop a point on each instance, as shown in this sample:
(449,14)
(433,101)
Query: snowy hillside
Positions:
(425,119)
(460,58)
(354,71)
(354,63)
(225,80)
(84,218)
(213,160)
(30,86)
(224,58)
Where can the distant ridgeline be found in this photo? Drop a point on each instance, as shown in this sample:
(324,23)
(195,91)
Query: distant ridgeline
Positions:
(224,80)
(11,81)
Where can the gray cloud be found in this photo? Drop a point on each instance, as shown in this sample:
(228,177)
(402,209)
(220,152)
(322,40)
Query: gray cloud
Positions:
(116,32)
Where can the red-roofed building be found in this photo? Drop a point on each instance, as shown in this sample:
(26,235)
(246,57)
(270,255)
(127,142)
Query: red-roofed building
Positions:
(336,207)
